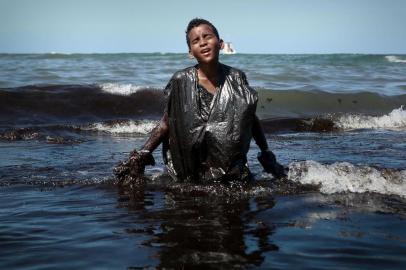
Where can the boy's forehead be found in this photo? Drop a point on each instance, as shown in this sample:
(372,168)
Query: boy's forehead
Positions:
(201,27)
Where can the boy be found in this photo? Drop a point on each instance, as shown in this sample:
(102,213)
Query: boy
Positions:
(209,119)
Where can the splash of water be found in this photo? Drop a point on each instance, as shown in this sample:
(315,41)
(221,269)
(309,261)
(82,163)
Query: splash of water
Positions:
(394,59)
(121,89)
(395,120)
(346,177)
(125,127)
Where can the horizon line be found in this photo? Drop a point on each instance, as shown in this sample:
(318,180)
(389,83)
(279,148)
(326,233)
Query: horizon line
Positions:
(257,53)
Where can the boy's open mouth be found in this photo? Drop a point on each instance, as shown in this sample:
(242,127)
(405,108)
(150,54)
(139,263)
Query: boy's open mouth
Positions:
(205,51)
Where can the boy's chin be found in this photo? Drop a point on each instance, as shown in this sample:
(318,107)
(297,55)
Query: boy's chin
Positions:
(208,60)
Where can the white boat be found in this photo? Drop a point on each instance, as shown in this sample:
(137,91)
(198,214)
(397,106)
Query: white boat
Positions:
(228,48)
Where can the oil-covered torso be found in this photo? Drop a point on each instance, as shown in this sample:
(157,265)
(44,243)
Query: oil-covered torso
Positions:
(208,141)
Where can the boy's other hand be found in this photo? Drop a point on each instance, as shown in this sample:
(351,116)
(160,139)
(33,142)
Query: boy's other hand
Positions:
(270,165)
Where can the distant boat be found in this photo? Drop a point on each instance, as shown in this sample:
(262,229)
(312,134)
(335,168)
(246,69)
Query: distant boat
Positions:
(228,48)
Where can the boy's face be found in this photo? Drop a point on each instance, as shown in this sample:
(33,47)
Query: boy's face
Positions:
(204,44)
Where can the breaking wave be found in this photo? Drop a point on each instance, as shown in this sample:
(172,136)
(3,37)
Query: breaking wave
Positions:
(44,104)
(394,120)
(67,134)
(124,127)
(35,105)
(395,59)
(346,177)
(121,89)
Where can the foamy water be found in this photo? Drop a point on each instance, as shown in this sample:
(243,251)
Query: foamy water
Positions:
(137,127)
(395,59)
(395,120)
(346,177)
(121,89)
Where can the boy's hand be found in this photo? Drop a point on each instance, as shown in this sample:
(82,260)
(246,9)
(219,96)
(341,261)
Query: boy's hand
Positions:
(143,157)
(270,165)
(133,168)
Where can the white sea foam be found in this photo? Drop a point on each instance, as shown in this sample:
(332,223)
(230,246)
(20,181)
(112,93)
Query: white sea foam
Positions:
(395,120)
(59,53)
(121,89)
(346,177)
(395,59)
(139,127)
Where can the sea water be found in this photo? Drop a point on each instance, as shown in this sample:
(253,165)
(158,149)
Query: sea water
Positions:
(337,121)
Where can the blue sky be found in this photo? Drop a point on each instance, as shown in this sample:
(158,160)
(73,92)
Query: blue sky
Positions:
(254,26)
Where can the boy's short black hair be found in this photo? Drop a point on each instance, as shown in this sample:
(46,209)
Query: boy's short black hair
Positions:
(196,22)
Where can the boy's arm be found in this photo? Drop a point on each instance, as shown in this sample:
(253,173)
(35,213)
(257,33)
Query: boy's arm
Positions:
(257,131)
(133,168)
(157,135)
(258,134)
(266,157)
(155,139)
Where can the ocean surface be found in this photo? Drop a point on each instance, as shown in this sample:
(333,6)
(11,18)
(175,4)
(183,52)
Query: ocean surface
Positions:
(337,121)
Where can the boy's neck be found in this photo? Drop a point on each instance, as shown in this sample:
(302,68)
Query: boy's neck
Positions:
(209,71)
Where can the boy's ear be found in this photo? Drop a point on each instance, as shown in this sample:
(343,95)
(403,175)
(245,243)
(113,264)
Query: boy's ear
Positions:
(221,44)
(191,56)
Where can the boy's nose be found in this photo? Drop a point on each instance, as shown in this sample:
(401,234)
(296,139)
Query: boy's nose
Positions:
(202,42)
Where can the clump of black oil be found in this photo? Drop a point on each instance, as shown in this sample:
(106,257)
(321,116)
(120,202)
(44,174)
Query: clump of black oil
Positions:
(216,190)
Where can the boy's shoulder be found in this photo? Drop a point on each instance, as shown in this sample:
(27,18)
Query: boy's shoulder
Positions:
(232,71)
(182,73)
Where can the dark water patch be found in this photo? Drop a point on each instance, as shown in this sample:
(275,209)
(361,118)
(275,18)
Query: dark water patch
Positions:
(48,103)
(48,178)
(370,202)
(318,124)
(196,227)
(182,221)
(57,134)
(39,104)
(168,225)
(20,134)
(53,169)
(292,103)
(73,134)
(334,122)
(71,227)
